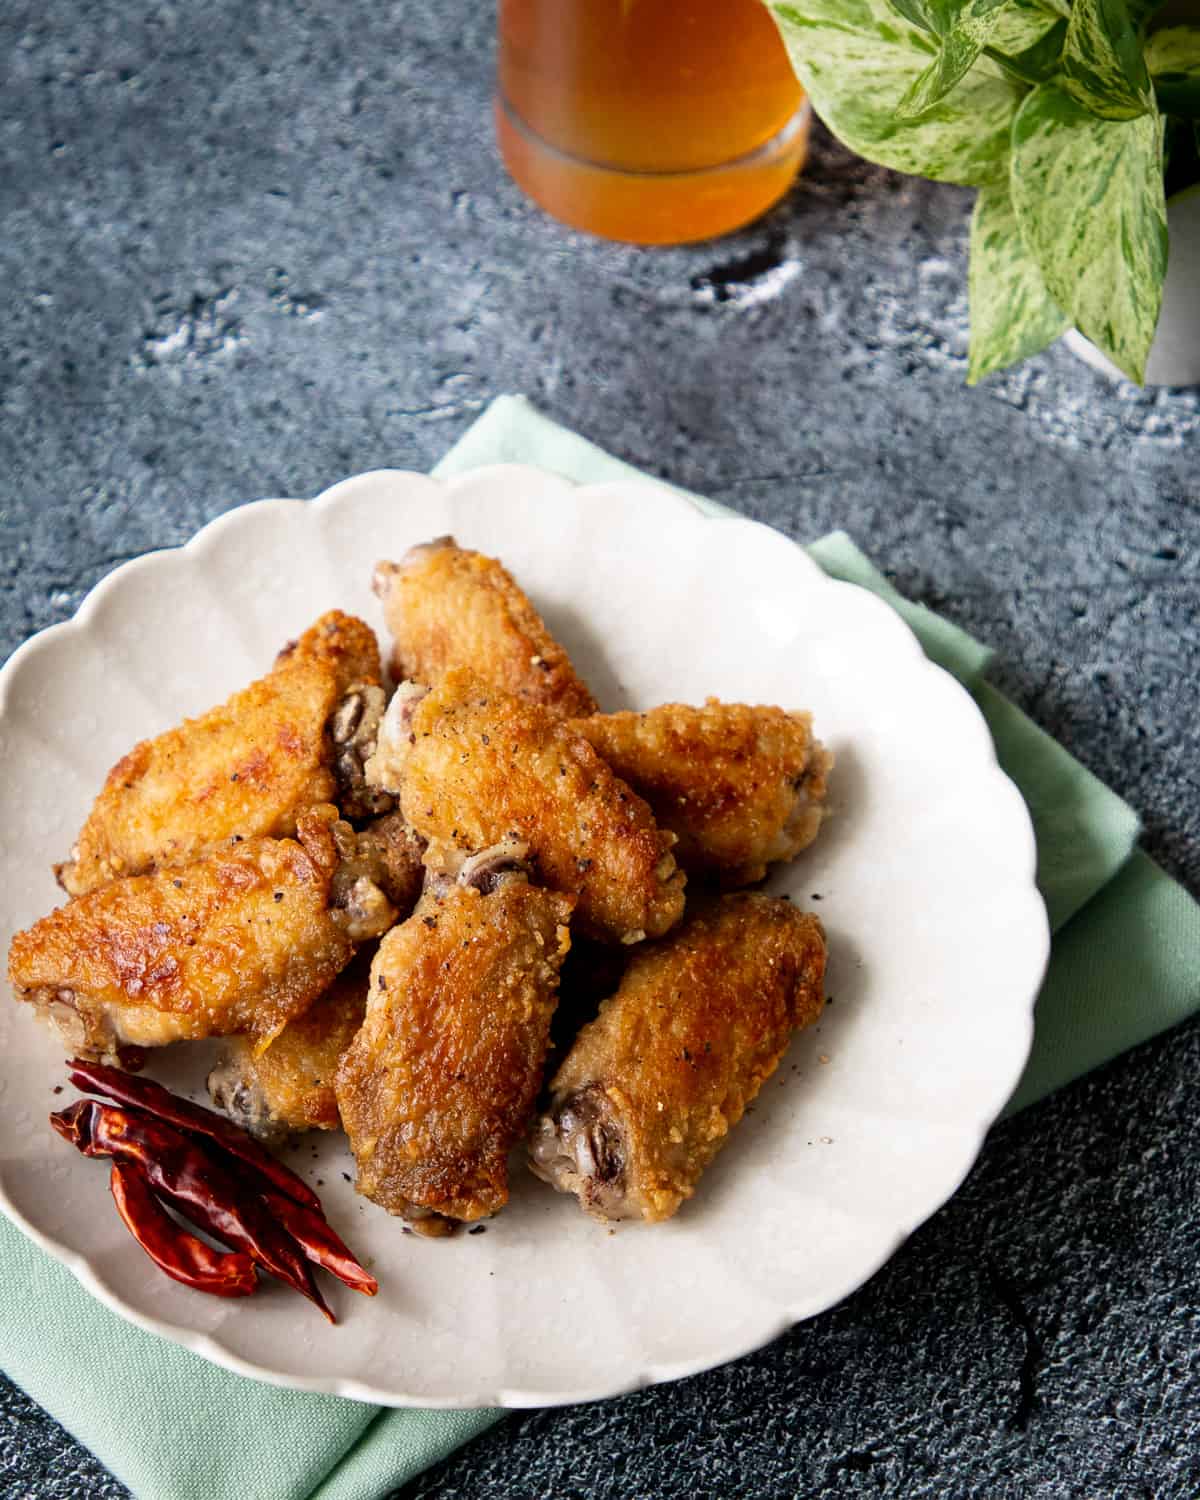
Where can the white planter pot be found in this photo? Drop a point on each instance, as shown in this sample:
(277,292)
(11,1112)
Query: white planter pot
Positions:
(1175,353)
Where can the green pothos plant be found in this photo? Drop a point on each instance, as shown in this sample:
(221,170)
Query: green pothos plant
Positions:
(1071,117)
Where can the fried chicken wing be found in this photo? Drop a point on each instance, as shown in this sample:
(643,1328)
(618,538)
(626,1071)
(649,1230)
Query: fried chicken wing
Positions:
(242,940)
(447,607)
(473,766)
(289,1086)
(390,853)
(439,1083)
(290,740)
(648,1094)
(339,641)
(740,786)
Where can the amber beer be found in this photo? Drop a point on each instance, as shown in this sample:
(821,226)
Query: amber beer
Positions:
(655,121)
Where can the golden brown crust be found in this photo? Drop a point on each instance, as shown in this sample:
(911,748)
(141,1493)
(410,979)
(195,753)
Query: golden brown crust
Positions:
(448,607)
(700,1021)
(247,767)
(240,941)
(482,766)
(340,642)
(439,1083)
(289,1086)
(740,786)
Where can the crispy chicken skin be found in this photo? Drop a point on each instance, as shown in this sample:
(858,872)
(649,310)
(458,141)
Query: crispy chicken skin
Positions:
(343,643)
(242,940)
(474,765)
(439,1083)
(649,1092)
(289,1086)
(740,786)
(248,767)
(447,607)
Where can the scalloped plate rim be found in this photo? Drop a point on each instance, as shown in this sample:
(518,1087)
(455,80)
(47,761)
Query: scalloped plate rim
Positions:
(971,1132)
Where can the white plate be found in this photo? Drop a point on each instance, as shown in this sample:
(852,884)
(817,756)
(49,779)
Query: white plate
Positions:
(937,936)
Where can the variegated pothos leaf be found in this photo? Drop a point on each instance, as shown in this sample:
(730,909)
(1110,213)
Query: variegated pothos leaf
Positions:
(1088,194)
(1173,58)
(1027,41)
(1039,63)
(1021,25)
(857,58)
(939,16)
(959,47)
(1012,313)
(1102,64)
(920,13)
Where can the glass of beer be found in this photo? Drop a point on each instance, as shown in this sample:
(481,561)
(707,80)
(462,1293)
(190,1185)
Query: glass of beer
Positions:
(653,121)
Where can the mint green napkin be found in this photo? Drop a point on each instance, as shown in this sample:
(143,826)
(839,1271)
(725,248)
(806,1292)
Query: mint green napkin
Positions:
(1125,965)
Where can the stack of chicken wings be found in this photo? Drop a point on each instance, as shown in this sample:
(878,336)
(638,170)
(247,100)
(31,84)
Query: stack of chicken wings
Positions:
(371,896)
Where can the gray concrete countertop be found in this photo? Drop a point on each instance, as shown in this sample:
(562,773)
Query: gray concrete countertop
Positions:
(248,250)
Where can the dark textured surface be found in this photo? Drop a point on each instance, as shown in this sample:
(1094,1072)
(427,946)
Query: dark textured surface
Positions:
(250,249)
(1038,1338)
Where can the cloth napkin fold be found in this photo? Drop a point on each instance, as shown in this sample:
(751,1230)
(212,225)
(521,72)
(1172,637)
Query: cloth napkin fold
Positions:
(1125,965)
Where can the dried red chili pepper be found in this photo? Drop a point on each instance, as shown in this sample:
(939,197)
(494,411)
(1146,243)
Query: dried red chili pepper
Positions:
(180,1171)
(144,1093)
(319,1243)
(172,1249)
